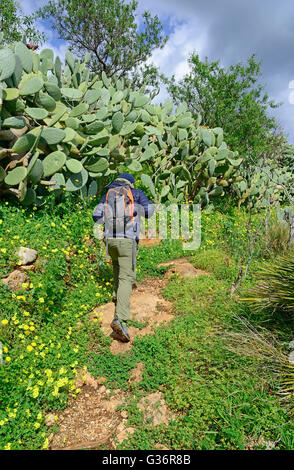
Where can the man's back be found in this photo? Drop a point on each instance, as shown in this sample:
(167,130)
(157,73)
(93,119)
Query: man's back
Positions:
(142,208)
(122,246)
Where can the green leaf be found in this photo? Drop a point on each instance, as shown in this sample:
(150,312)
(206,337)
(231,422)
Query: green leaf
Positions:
(23,143)
(72,94)
(100,165)
(53,163)
(14,122)
(7,63)
(117,121)
(77,181)
(36,113)
(52,135)
(31,86)
(25,56)
(165,190)
(128,128)
(207,137)
(79,110)
(117,97)
(15,176)
(53,90)
(30,197)
(147,154)
(92,96)
(74,165)
(147,181)
(10,94)
(185,122)
(140,100)
(135,166)
(113,142)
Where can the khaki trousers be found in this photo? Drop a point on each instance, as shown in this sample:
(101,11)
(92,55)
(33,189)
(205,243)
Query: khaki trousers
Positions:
(121,252)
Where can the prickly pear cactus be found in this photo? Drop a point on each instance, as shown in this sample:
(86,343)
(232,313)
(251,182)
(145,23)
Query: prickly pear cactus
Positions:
(272,181)
(61,128)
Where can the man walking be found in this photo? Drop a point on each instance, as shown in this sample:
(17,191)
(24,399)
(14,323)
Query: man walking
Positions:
(120,210)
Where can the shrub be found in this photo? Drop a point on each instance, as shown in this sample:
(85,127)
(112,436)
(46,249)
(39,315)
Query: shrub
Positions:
(275,291)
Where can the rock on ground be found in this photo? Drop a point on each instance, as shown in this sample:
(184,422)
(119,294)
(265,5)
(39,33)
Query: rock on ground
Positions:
(26,255)
(182,267)
(154,409)
(15,280)
(137,372)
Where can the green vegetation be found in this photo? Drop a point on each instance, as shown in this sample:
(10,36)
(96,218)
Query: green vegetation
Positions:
(231,98)
(222,399)
(108,30)
(275,291)
(66,131)
(15,25)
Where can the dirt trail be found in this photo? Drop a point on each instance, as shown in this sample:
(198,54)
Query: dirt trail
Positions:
(92,420)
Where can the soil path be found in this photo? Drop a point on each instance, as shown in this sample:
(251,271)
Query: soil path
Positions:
(92,420)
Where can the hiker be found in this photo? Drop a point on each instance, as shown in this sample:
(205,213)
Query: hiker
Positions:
(120,210)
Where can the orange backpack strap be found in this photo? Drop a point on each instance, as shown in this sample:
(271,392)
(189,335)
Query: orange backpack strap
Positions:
(130,195)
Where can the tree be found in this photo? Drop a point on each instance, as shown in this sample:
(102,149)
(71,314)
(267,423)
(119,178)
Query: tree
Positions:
(108,30)
(14,24)
(230,98)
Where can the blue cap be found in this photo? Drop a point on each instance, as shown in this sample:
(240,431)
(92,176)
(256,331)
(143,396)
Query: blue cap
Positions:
(127,176)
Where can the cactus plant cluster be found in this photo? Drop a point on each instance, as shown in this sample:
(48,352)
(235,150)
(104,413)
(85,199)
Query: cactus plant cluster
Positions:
(271,183)
(61,128)
(288,156)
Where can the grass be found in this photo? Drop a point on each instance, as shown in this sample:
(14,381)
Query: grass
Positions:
(45,332)
(221,399)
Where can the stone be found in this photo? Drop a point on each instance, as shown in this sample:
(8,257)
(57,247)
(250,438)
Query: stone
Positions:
(137,372)
(124,434)
(26,255)
(111,405)
(291,344)
(15,280)
(89,380)
(101,380)
(154,409)
(183,268)
(80,378)
(29,267)
(49,420)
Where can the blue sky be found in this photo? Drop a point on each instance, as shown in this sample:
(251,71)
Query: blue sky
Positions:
(229,30)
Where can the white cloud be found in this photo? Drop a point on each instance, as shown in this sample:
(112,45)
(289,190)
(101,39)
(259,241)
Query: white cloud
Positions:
(228,30)
(172,59)
(181,69)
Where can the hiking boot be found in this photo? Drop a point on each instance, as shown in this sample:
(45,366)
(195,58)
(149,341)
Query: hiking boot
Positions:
(121,330)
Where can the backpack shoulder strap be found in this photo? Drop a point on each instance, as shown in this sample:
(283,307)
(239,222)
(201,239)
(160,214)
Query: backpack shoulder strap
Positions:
(131,204)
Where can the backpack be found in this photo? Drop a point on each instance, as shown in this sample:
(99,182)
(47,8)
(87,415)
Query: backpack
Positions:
(119,212)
